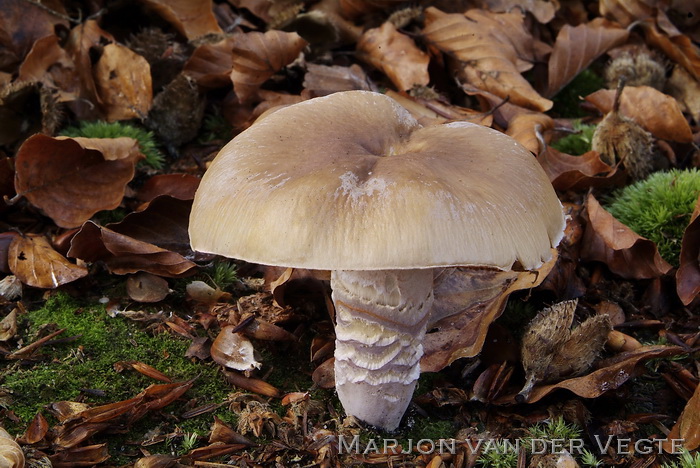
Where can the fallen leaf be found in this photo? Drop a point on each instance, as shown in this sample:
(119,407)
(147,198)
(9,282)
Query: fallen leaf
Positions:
(527,128)
(210,64)
(626,12)
(687,427)
(71,179)
(123,254)
(678,48)
(542,10)
(191,19)
(220,432)
(180,186)
(36,430)
(257,56)
(48,63)
(36,263)
(89,455)
(213,451)
(396,55)
(324,374)
(8,325)
(625,253)
(145,287)
(434,111)
(568,172)
(123,82)
(157,461)
(148,371)
(322,80)
(686,90)
(688,274)
(233,350)
(655,111)
(610,376)
(353,9)
(251,384)
(577,47)
(485,62)
(465,304)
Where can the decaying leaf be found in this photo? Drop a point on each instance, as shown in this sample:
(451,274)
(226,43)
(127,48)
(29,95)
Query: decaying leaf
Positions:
(354,9)
(688,274)
(527,127)
(191,19)
(577,47)
(123,80)
(210,64)
(36,430)
(71,179)
(324,374)
(48,63)
(251,384)
(88,455)
(257,56)
(386,49)
(36,263)
(123,254)
(432,111)
(234,350)
(686,90)
(625,253)
(656,112)
(465,305)
(567,172)
(542,10)
(221,432)
(687,427)
(321,80)
(180,186)
(680,48)
(485,61)
(627,11)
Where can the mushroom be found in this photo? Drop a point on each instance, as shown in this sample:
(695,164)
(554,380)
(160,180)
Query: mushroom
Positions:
(352,183)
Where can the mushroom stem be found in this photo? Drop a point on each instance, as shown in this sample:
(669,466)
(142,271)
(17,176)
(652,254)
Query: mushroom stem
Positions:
(381,318)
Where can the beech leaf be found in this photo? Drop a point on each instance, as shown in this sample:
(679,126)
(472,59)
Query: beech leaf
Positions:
(688,274)
(687,427)
(191,19)
(625,253)
(233,350)
(525,128)
(626,12)
(679,48)
(576,47)
(210,65)
(395,54)
(568,172)
(71,179)
(36,263)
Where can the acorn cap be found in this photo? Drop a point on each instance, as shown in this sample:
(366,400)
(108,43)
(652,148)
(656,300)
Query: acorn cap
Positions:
(351,181)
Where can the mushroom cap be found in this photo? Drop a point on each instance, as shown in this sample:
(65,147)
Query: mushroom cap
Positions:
(351,181)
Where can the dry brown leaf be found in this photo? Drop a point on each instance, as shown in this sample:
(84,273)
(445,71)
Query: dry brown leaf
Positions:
(465,305)
(69,180)
(485,62)
(221,432)
(191,19)
(233,350)
(321,80)
(180,186)
(324,374)
(22,23)
(526,127)
(257,56)
(150,371)
(568,172)
(433,111)
(157,461)
(353,9)
(251,384)
(656,112)
(36,430)
(688,274)
(686,90)
(123,254)
(626,12)
(610,376)
(210,65)
(678,47)
(577,47)
(542,10)
(625,253)
(395,54)
(48,63)
(80,456)
(123,81)
(36,263)
(687,427)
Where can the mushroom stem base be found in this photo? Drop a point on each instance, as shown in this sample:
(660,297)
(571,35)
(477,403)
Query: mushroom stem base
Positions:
(381,319)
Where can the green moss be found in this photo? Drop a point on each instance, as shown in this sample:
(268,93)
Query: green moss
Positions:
(567,101)
(577,143)
(685,460)
(99,129)
(554,429)
(501,455)
(68,369)
(659,208)
(516,316)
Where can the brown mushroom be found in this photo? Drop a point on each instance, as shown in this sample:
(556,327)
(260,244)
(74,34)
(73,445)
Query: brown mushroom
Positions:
(352,183)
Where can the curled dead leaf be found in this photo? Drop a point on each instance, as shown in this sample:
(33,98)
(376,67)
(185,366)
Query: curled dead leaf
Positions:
(180,186)
(625,253)
(123,81)
(485,61)
(36,431)
(568,172)
(386,49)
(36,263)
(80,456)
(434,111)
(234,350)
(221,432)
(687,427)
(71,179)
(253,385)
(321,80)
(353,9)
(257,56)
(679,47)
(526,128)
(191,19)
(145,287)
(688,274)
(210,64)
(324,374)
(577,47)
(655,111)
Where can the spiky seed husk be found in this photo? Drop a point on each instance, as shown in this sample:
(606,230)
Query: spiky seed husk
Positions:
(403,17)
(620,139)
(639,69)
(550,350)
(177,111)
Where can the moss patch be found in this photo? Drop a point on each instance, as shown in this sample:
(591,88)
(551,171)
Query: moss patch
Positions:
(567,101)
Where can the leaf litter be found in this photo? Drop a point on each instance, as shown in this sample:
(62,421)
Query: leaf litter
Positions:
(80,217)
